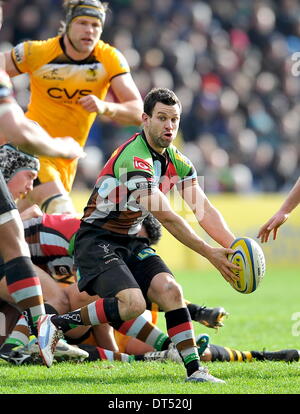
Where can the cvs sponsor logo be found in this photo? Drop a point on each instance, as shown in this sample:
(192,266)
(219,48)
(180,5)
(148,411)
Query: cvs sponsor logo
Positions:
(59,93)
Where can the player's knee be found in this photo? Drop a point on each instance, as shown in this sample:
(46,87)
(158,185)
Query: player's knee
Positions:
(60,301)
(173,290)
(58,204)
(131,303)
(170,292)
(136,308)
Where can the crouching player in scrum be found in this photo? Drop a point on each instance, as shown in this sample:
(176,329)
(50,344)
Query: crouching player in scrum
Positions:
(50,239)
(19,169)
(97,341)
(17,129)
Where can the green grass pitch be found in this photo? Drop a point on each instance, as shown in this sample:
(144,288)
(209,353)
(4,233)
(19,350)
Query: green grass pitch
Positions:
(260,320)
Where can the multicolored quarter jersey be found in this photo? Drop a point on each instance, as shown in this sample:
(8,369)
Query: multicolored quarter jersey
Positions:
(132,168)
(57,83)
(49,238)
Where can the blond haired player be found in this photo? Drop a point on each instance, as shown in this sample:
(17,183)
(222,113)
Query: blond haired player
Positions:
(70,75)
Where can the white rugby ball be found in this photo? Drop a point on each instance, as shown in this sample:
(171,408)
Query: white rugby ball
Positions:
(250,258)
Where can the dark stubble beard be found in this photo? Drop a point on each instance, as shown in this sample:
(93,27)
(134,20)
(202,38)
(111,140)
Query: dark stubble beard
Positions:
(160,142)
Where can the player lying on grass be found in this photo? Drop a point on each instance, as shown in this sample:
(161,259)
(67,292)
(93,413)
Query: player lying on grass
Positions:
(66,225)
(29,354)
(19,169)
(49,239)
(22,171)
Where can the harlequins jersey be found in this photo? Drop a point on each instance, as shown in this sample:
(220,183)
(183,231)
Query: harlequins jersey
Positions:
(133,167)
(48,238)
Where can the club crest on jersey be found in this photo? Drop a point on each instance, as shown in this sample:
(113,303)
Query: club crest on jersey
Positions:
(91,74)
(141,164)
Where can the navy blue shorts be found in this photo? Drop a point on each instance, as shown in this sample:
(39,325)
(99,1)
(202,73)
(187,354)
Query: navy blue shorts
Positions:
(114,262)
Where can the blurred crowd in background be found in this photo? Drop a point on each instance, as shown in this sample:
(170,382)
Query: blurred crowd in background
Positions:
(229,61)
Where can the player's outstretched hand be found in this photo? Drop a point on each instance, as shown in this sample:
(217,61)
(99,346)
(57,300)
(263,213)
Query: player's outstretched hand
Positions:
(218,257)
(69,148)
(272,225)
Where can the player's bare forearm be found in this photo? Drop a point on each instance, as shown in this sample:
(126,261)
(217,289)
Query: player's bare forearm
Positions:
(214,224)
(9,65)
(292,200)
(31,138)
(126,113)
(158,204)
(182,231)
(208,217)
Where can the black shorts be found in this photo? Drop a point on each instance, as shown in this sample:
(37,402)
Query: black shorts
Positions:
(118,262)
(6,201)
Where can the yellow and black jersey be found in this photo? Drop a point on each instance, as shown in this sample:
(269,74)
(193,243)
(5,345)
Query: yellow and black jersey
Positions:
(57,82)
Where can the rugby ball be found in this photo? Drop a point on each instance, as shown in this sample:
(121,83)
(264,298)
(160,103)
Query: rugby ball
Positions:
(250,258)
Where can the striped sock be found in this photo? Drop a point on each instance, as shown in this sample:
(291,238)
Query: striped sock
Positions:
(25,289)
(107,355)
(19,335)
(100,311)
(221,353)
(97,353)
(145,331)
(180,331)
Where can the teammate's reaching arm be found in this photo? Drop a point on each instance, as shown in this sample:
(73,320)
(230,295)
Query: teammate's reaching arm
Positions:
(30,137)
(272,225)
(27,135)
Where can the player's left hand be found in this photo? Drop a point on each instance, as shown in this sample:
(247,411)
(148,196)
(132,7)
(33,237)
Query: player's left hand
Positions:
(272,225)
(93,104)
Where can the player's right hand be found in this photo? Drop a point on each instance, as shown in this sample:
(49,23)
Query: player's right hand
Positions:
(70,148)
(218,257)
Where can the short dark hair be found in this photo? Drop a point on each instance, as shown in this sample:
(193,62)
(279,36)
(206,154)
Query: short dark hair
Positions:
(153,229)
(162,95)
